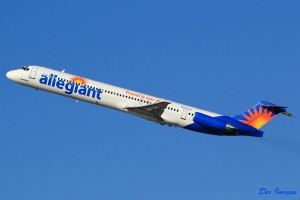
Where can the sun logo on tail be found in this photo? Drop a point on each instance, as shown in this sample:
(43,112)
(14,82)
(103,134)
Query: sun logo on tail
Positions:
(258,118)
(79,80)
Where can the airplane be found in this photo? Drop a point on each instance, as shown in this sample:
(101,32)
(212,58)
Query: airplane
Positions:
(148,107)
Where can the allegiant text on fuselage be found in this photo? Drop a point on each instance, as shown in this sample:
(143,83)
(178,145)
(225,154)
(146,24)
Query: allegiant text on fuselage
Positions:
(70,87)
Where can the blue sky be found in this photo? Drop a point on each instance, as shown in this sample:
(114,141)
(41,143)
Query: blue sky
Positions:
(216,55)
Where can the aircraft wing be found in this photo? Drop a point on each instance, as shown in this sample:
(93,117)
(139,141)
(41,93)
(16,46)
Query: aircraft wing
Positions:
(153,110)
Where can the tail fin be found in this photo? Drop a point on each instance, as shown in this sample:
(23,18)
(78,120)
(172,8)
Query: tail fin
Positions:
(261,113)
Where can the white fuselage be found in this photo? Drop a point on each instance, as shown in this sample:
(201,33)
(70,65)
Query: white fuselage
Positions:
(83,89)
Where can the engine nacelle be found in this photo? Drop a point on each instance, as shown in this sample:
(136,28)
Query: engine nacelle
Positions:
(213,123)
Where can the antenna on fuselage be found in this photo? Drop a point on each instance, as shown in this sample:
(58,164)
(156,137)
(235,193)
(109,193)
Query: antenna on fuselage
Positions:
(63,71)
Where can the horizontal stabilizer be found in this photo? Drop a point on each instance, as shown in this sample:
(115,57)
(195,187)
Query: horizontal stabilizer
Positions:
(281,109)
(288,114)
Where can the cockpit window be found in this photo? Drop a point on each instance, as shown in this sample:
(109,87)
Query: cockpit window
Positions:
(26,68)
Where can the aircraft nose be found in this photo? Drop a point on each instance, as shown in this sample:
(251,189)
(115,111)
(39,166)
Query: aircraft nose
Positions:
(11,75)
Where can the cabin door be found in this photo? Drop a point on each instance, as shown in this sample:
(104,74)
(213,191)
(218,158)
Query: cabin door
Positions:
(184,114)
(33,72)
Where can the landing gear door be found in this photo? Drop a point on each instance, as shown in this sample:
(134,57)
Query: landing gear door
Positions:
(184,113)
(33,72)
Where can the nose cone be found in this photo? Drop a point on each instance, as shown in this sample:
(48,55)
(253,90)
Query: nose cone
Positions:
(9,75)
(12,75)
